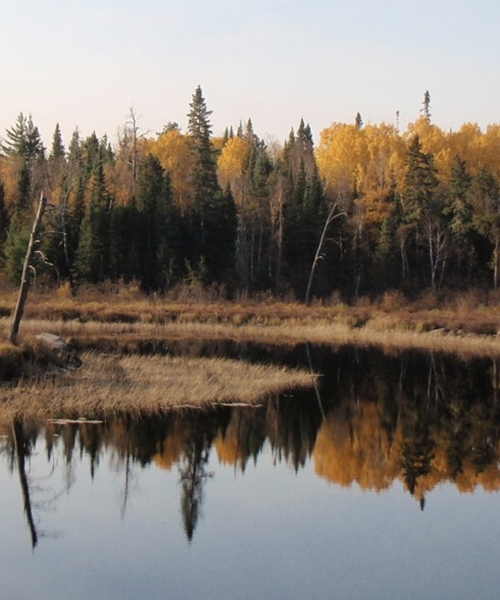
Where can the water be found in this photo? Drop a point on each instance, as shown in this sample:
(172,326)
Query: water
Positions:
(382,483)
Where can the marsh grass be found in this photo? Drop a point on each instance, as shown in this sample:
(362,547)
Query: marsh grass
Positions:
(111,385)
(443,332)
(124,339)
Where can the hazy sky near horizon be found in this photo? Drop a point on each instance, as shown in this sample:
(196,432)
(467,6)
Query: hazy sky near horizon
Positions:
(85,63)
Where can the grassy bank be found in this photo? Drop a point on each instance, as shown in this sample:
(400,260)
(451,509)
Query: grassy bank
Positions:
(124,321)
(111,385)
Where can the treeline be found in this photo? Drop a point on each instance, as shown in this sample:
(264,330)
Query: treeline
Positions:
(372,208)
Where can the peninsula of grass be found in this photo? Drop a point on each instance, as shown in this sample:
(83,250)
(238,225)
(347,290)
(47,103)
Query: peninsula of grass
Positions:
(111,385)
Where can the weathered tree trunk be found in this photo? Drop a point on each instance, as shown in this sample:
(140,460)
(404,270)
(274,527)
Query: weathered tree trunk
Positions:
(332,215)
(25,282)
(496,262)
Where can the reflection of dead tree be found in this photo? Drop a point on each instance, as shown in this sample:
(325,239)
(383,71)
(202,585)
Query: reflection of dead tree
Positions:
(315,382)
(22,452)
(128,478)
(433,375)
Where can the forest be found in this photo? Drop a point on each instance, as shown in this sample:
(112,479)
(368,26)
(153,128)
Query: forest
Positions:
(367,209)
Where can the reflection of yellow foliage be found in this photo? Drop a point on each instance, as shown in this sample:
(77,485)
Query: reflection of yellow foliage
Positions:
(355,449)
(171,451)
(227,447)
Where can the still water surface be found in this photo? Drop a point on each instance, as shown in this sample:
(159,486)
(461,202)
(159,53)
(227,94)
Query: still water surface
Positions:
(382,483)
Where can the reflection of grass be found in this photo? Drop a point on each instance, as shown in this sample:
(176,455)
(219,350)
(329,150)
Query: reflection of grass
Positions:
(108,385)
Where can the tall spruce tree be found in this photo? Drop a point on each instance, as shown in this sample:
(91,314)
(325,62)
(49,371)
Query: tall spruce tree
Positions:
(57,150)
(305,209)
(427,214)
(92,258)
(214,213)
(157,226)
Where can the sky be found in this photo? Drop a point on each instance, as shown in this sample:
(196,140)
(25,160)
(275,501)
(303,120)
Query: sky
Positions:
(87,63)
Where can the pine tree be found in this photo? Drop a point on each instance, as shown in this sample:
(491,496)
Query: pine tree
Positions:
(426,106)
(305,208)
(486,198)
(157,225)
(75,150)
(420,183)
(214,223)
(4,222)
(57,150)
(23,140)
(92,257)
(427,214)
(461,215)
(19,226)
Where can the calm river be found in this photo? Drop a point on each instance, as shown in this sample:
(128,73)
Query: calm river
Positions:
(383,483)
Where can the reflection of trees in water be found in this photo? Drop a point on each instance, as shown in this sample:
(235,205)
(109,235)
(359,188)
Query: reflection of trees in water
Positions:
(431,419)
(192,466)
(38,492)
(418,418)
(193,474)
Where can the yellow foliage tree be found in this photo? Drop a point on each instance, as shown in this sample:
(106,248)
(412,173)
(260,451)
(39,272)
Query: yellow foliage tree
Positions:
(232,166)
(172,150)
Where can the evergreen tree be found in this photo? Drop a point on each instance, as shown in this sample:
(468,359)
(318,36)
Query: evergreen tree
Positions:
(4,223)
(23,140)
(387,250)
(124,231)
(57,150)
(259,175)
(92,257)
(19,226)
(157,225)
(305,208)
(461,215)
(214,214)
(75,151)
(15,247)
(426,208)
(426,106)
(485,192)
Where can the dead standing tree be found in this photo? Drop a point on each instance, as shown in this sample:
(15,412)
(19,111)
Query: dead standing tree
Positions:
(25,277)
(335,213)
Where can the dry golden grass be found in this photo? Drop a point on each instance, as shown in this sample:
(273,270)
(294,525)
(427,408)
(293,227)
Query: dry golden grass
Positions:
(383,331)
(113,331)
(109,385)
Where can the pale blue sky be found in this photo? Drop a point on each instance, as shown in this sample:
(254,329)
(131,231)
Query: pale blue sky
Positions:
(86,62)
